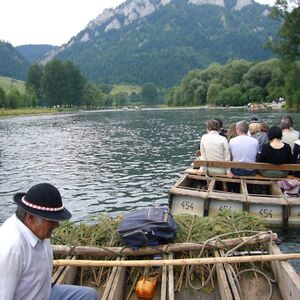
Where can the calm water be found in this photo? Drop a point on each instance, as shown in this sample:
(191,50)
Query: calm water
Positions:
(107,161)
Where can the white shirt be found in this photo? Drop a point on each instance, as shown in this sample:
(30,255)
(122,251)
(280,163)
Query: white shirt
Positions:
(290,137)
(213,146)
(243,148)
(26,263)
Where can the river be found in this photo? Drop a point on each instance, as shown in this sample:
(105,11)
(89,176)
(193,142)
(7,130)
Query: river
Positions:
(107,161)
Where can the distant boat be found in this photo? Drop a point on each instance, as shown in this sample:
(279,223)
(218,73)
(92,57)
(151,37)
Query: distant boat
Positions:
(257,107)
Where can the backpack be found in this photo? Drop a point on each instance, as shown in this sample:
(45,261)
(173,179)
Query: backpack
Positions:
(147,227)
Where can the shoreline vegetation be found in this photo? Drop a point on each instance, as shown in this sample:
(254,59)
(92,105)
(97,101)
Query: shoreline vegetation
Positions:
(33,111)
(44,111)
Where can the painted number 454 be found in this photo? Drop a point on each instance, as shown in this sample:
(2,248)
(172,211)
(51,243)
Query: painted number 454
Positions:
(187,205)
(265,213)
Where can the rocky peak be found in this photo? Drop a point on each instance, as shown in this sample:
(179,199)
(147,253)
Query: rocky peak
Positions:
(132,10)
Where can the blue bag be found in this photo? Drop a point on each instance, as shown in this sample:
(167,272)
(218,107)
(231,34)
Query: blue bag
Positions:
(147,227)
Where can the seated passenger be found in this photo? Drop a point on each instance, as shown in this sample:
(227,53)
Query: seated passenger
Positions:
(275,152)
(222,131)
(289,135)
(296,156)
(243,148)
(257,131)
(231,133)
(213,146)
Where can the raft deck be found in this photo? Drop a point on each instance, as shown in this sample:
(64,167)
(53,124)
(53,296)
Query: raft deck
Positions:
(261,196)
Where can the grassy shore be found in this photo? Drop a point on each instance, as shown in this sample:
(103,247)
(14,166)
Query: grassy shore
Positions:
(32,111)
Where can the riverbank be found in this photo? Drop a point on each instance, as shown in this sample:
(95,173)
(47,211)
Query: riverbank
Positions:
(33,111)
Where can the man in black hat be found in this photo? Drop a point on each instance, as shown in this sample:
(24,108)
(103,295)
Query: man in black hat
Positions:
(26,257)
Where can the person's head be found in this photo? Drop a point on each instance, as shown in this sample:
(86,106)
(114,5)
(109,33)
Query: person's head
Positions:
(242,127)
(41,209)
(213,125)
(231,133)
(254,128)
(220,122)
(289,118)
(275,132)
(253,119)
(264,127)
(285,123)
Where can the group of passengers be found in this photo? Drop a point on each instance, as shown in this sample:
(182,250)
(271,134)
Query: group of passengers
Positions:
(250,142)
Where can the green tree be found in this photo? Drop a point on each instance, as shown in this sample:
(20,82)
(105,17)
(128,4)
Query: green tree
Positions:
(2,98)
(291,87)
(213,93)
(93,96)
(105,88)
(233,72)
(74,84)
(231,96)
(150,94)
(30,98)
(33,80)
(120,99)
(288,37)
(14,99)
(53,83)
(287,46)
(62,84)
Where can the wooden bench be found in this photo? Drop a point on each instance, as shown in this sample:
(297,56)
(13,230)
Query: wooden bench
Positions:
(242,165)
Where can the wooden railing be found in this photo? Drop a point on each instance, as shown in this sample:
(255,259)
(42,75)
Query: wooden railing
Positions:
(243,165)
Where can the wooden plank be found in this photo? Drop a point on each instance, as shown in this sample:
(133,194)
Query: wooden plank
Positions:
(117,288)
(242,165)
(293,210)
(193,172)
(287,278)
(109,283)
(222,281)
(171,295)
(230,279)
(163,291)
(57,274)
(65,275)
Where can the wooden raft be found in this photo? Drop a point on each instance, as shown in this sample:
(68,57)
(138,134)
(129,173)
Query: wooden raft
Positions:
(261,196)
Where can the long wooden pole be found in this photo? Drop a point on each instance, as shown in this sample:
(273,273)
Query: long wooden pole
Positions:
(175,262)
(176,247)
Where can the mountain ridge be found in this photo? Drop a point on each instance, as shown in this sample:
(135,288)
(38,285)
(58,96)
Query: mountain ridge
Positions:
(160,41)
(12,63)
(167,38)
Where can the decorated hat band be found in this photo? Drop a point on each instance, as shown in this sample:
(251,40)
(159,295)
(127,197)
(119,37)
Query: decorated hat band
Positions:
(41,207)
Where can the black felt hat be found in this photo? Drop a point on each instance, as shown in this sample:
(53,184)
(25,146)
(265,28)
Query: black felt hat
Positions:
(43,200)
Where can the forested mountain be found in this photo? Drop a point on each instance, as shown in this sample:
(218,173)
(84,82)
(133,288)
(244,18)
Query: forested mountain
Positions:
(159,41)
(34,53)
(12,63)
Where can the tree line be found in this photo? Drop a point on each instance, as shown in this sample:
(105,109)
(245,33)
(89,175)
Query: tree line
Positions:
(61,84)
(240,82)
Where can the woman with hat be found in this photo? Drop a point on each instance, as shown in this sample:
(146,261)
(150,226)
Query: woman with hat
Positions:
(26,257)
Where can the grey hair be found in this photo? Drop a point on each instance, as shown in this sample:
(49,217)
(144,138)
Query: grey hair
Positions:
(242,126)
(21,214)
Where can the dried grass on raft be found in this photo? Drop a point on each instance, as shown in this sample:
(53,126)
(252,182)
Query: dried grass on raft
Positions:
(103,232)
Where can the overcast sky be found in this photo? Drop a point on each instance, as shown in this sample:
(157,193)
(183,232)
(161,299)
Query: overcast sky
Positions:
(50,22)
